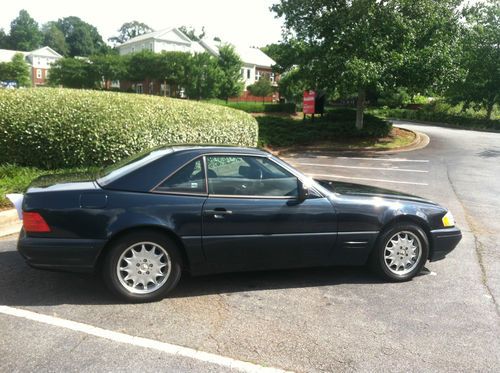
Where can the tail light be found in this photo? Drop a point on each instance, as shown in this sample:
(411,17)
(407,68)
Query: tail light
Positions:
(33,222)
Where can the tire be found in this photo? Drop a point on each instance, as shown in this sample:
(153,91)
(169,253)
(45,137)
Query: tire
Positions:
(401,252)
(151,266)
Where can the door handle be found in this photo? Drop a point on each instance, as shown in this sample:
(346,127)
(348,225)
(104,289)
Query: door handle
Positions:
(218,213)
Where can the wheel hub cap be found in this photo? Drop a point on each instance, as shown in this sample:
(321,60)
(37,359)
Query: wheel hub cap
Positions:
(402,252)
(143,267)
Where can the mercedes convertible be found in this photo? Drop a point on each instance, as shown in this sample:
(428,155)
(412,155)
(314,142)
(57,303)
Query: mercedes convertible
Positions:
(207,209)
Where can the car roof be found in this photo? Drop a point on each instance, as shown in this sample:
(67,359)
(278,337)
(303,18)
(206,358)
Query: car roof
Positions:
(205,149)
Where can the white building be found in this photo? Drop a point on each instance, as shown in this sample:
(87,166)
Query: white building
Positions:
(255,62)
(39,61)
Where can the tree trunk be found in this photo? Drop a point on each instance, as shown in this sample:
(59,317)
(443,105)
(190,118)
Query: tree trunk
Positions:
(360,108)
(489,109)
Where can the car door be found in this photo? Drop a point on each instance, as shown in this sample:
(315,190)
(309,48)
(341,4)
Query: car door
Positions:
(253,219)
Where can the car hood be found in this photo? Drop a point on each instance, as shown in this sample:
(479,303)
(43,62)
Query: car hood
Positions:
(353,189)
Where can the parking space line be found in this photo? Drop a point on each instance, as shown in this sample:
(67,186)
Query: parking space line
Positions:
(386,159)
(360,167)
(168,348)
(366,179)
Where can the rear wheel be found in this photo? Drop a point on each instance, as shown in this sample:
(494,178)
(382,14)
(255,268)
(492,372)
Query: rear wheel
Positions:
(401,252)
(142,266)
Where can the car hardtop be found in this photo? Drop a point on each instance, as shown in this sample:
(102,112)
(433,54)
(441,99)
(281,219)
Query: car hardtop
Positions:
(217,149)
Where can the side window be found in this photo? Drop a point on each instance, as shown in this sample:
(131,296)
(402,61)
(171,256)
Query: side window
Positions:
(249,176)
(189,179)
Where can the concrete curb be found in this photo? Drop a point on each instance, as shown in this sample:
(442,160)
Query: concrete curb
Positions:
(9,223)
(421,141)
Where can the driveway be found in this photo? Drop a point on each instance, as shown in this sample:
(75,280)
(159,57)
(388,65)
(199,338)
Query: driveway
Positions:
(325,319)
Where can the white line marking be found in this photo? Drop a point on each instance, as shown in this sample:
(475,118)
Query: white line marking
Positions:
(386,159)
(139,341)
(361,167)
(367,179)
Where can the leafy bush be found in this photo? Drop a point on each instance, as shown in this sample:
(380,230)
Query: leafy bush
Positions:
(51,128)
(441,112)
(258,107)
(336,125)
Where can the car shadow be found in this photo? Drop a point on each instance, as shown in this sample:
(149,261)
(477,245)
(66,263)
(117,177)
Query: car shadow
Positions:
(21,285)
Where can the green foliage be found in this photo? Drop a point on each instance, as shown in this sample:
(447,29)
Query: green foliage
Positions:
(4,39)
(292,85)
(171,67)
(203,77)
(337,125)
(440,112)
(230,65)
(17,70)
(261,88)
(350,46)
(54,38)
(74,73)
(24,33)
(52,128)
(257,107)
(82,38)
(108,66)
(130,30)
(192,34)
(480,59)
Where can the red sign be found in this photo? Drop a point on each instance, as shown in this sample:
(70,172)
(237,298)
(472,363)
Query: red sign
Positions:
(308,103)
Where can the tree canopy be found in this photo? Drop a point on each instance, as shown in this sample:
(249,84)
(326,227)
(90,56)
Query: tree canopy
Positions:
(54,38)
(24,33)
(17,70)
(192,34)
(261,88)
(130,30)
(82,38)
(351,45)
(230,66)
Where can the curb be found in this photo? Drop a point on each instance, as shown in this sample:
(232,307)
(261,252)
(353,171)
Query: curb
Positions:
(421,141)
(9,223)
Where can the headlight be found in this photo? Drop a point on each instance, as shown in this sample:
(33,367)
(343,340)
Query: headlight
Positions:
(448,220)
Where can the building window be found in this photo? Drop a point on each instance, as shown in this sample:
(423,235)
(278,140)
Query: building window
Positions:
(248,73)
(39,73)
(151,86)
(257,75)
(138,88)
(46,74)
(242,73)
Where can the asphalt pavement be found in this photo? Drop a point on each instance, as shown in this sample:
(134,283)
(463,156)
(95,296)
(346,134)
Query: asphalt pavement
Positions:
(328,319)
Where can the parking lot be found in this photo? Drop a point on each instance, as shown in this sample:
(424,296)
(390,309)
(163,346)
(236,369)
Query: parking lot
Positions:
(327,319)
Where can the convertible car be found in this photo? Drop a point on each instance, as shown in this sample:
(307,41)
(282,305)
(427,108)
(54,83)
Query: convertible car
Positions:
(206,209)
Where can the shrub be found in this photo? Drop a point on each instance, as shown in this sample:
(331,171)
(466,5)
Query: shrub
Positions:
(258,107)
(336,125)
(51,128)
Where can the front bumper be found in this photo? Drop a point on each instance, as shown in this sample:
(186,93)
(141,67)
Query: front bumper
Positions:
(443,242)
(75,255)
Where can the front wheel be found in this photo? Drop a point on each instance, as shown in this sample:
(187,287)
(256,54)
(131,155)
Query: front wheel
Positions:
(401,252)
(142,266)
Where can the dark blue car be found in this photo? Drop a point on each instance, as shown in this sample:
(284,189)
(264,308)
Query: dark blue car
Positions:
(218,209)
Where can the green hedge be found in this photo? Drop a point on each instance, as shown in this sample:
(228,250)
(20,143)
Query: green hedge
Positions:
(51,128)
(429,114)
(258,107)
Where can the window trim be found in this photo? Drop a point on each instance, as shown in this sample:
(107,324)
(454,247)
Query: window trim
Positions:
(205,168)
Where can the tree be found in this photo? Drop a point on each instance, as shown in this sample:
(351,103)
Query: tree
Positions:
(24,33)
(480,59)
(82,38)
(261,88)
(192,34)
(54,38)
(130,30)
(17,69)
(292,85)
(203,77)
(351,45)
(141,66)
(74,73)
(4,39)
(171,68)
(109,67)
(230,66)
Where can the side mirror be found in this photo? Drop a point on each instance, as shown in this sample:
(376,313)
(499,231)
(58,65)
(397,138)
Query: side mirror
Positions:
(303,192)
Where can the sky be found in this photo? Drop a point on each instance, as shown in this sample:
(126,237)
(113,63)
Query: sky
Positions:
(241,22)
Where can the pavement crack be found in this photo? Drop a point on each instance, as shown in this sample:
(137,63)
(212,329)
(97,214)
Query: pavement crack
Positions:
(477,246)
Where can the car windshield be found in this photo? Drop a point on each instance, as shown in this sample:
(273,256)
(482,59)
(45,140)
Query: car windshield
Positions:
(127,165)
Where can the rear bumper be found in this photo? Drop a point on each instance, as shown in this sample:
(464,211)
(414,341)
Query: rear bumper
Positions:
(443,242)
(75,255)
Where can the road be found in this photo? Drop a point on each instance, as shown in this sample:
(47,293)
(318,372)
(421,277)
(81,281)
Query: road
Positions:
(329,319)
